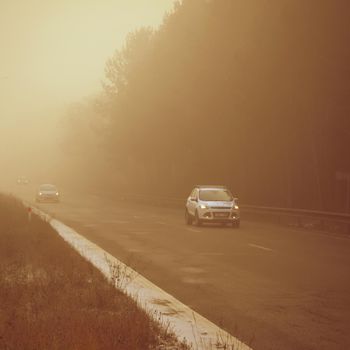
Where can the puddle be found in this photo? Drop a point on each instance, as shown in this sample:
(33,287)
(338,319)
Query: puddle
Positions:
(168,310)
(162,302)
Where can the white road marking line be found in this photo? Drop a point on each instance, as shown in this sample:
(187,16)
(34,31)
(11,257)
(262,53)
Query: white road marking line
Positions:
(259,247)
(135,250)
(192,270)
(194,280)
(193,230)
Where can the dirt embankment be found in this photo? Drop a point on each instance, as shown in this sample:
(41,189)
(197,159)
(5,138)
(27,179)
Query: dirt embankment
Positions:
(51,298)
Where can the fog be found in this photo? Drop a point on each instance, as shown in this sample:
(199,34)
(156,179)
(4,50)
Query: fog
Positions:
(251,95)
(53,54)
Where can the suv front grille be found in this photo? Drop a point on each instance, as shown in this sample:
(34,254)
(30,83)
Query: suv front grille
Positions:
(221,208)
(221,214)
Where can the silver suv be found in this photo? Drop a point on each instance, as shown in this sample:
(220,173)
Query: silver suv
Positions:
(212,204)
(47,193)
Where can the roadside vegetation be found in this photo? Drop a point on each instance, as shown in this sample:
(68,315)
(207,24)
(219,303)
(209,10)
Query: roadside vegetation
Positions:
(51,298)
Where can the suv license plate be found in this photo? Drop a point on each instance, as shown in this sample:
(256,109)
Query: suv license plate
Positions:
(221,215)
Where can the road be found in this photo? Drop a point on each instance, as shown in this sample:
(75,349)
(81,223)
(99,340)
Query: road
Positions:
(271,286)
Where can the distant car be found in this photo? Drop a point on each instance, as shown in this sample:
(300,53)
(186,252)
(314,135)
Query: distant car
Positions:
(212,204)
(47,193)
(22,180)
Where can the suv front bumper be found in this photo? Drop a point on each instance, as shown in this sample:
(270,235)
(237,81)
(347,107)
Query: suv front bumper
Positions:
(218,216)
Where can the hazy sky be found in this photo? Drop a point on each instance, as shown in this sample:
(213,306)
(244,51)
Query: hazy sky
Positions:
(53,52)
(56,49)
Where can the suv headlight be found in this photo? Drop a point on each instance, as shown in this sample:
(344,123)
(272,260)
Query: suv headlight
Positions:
(203,206)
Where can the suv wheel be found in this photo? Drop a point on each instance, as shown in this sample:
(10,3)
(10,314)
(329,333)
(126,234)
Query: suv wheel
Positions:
(188,218)
(236,224)
(197,222)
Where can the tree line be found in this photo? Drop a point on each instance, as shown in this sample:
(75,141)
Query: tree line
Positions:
(254,95)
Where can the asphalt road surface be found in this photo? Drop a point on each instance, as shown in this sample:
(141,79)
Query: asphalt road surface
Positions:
(271,286)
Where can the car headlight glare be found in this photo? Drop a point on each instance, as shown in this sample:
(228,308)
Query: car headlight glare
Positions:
(203,206)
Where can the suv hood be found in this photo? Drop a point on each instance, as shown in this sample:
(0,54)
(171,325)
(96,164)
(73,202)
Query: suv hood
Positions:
(213,204)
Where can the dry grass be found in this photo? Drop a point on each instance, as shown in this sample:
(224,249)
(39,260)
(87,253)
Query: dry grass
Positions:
(51,298)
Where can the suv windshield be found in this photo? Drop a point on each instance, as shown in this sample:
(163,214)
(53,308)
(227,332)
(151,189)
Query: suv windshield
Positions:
(215,195)
(48,188)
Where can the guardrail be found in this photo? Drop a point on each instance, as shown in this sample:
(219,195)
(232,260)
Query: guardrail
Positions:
(302,218)
(309,219)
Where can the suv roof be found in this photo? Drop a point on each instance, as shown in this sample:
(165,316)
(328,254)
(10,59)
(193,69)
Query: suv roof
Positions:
(211,186)
(47,186)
